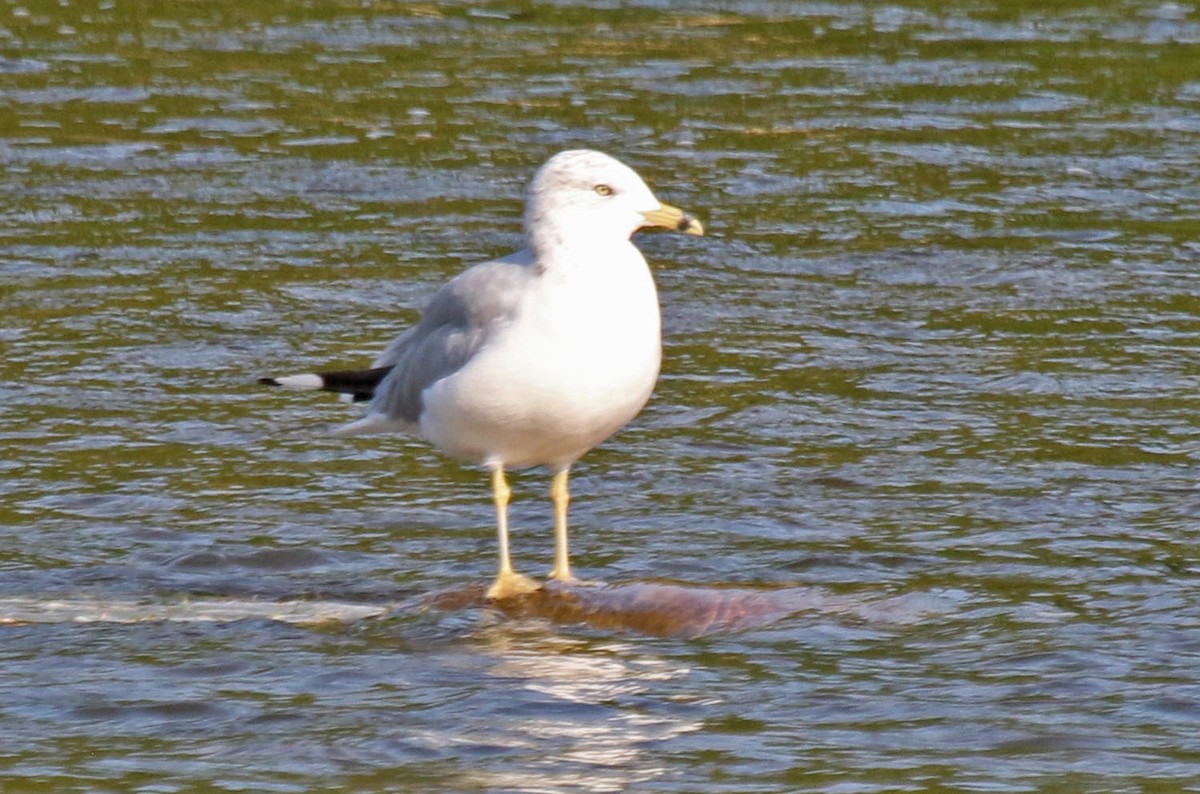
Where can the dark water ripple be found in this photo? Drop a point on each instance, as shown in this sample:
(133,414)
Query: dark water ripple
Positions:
(936,360)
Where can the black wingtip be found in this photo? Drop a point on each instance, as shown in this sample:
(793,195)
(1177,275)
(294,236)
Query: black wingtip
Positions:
(268,381)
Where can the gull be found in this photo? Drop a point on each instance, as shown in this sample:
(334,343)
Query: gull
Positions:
(534,358)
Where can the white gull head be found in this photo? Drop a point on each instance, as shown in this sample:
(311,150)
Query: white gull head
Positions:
(584,197)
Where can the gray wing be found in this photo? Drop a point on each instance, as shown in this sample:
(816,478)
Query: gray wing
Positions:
(462,316)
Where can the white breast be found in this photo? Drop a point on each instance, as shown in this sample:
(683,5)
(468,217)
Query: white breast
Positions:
(577,363)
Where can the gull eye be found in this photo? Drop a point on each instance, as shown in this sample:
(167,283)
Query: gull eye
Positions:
(603,190)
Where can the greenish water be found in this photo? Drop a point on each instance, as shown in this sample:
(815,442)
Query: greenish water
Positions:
(939,350)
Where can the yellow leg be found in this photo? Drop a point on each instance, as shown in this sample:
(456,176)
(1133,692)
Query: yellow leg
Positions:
(508,582)
(560,496)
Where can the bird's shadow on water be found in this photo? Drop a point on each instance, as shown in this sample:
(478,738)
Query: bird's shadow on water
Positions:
(673,610)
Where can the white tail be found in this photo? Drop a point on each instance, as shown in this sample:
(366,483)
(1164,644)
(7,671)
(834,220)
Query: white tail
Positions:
(306,382)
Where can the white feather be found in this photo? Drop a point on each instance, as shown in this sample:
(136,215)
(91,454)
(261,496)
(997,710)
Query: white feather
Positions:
(306,382)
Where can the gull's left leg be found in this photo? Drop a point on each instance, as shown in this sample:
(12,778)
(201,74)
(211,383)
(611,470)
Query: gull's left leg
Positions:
(508,582)
(560,497)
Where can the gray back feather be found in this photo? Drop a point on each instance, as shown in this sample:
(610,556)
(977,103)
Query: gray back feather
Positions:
(460,319)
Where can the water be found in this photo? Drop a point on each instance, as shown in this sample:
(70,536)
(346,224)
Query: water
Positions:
(934,366)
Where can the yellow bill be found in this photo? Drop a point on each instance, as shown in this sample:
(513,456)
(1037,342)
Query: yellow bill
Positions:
(673,218)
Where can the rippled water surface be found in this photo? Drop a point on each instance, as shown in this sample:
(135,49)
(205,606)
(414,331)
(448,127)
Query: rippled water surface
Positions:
(934,368)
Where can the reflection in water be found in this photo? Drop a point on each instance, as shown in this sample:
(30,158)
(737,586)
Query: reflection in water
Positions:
(570,713)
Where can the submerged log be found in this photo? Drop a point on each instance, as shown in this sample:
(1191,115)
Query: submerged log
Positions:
(655,608)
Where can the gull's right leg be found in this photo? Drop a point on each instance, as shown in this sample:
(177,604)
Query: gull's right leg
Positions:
(508,582)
